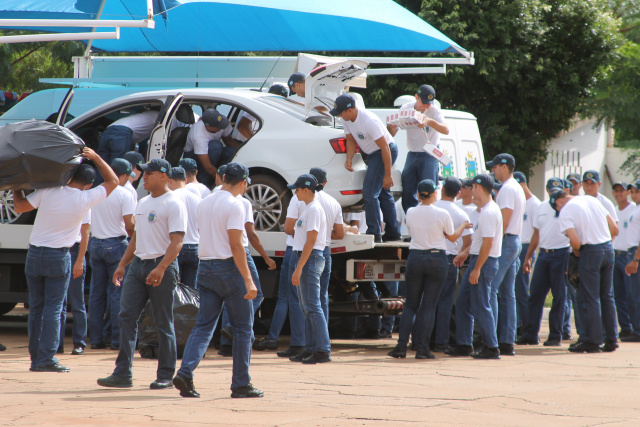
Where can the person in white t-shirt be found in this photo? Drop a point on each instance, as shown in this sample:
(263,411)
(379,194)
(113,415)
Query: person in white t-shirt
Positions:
(522,277)
(123,134)
(549,274)
(309,241)
(631,234)
(363,128)
(135,159)
(210,144)
(427,268)
(591,185)
(590,229)
(188,256)
(224,277)
(576,182)
(511,201)
(48,266)
(111,226)
(473,301)
(161,223)
(419,164)
(191,168)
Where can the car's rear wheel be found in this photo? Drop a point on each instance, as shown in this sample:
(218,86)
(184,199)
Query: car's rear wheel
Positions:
(270,198)
(8,214)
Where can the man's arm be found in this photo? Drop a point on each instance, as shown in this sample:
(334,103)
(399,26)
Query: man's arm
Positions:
(506,217)
(254,240)
(434,124)
(129,224)
(245,127)
(533,245)
(118,275)
(458,232)
(485,250)
(351,151)
(207,165)
(574,240)
(230,142)
(78,266)
(464,251)
(110,178)
(20,202)
(155,276)
(387,181)
(312,235)
(240,260)
(337,232)
(393,129)
(289,226)
(613,227)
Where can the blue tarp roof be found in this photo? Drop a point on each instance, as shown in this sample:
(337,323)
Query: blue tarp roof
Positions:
(248,25)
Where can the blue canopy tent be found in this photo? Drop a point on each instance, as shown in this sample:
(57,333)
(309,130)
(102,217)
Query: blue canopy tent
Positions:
(239,25)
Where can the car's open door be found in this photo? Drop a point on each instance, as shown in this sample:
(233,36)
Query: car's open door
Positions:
(160,133)
(325,83)
(61,116)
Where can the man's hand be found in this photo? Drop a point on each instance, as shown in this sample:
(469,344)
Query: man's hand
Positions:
(295,278)
(155,277)
(526,267)
(89,154)
(631,268)
(459,260)
(118,275)
(387,182)
(474,277)
(78,268)
(349,165)
(270,263)
(252,291)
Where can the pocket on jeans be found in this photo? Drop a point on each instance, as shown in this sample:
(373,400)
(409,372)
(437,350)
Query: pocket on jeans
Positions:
(112,254)
(56,267)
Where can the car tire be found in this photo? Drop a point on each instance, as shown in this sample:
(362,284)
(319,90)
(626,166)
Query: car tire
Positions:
(270,198)
(7,213)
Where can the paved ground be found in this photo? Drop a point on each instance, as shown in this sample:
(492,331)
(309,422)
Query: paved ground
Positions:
(362,386)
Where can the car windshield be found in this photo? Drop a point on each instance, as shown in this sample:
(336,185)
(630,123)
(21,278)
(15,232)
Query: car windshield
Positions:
(296,110)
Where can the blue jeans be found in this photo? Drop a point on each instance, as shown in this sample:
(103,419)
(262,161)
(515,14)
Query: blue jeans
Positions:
(288,301)
(522,287)
(549,274)
(595,294)
(633,297)
(572,301)
(188,264)
(48,271)
(218,155)
(75,299)
(316,329)
(135,294)
(104,297)
(114,142)
(417,166)
(425,276)
(445,304)
(324,282)
(503,296)
(622,283)
(474,304)
(220,281)
(377,198)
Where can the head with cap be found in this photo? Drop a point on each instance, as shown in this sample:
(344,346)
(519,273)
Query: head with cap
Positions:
(214,121)
(502,166)
(321,177)
(156,177)
(345,107)
(591,182)
(620,191)
(554,184)
(220,175)
(134,158)
(634,188)
(558,199)
(575,179)
(466,193)
(427,191)
(296,84)
(190,166)
(482,187)
(178,178)
(451,186)
(123,169)
(236,173)
(279,89)
(520,177)
(425,96)
(305,187)
(568,186)
(83,177)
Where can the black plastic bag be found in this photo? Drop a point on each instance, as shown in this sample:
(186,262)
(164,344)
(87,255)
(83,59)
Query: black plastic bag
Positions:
(572,271)
(37,154)
(186,302)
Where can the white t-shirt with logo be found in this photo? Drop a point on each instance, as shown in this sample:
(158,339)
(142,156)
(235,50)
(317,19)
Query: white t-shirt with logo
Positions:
(129,187)
(332,211)
(589,218)
(608,206)
(427,225)
(156,218)
(623,241)
(312,218)
(107,215)
(366,129)
(236,133)
(511,196)
(199,189)
(60,214)
(548,225)
(633,231)
(217,214)
(199,137)
(141,124)
(530,207)
(418,137)
(459,217)
(191,202)
(489,225)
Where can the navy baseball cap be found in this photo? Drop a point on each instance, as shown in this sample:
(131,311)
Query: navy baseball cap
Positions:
(502,159)
(85,174)
(622,184)
(237,171)
(188,164)
(213,118)
(122,167)
(568,184)
(427,94)
(133,157)
(320,174)
(426,187)
(553,198)
(485,180)
(520,177)
(279,89)
(178,173)
(304,181)
(635,184)
(555,184)
(295,78)
(221,170)
(574,177)
(591,175)
(467,182)
(156,165)
(452,185)
(343,103)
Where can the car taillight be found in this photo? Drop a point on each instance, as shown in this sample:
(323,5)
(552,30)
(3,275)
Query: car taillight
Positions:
(350,192)
(339,145)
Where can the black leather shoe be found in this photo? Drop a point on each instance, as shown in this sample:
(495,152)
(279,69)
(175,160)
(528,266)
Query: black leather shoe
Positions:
(60,350)
(225,350)
(301,356)
(78,350)
(609,346)
(265,343)
(567,336)
(459,350)
(552,343)
(317,357)
(487,353)
(52,367)
(114,346)
(526,341)
(384,334)
(424,354)
(630,338)
(439,348)
(294,350)
(3,347)
(399,352)
(377,238)
(227,332)
(161,383)
(98,346)
(115,381)
(625,333)
(572,345)
(246,391)
(185,386)
(506,349)
(585,347)
(391,237)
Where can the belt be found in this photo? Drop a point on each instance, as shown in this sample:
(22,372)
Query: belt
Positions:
(217,260)
(156,259)
(510,235)
(64,249)
(553,250)
(620,252)
(312,251)
(427,251)
(110,238)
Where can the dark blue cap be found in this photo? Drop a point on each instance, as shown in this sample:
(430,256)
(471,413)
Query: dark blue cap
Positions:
(502,159)
(467,182)
(279,89)
(520,177)
(85,174)
(485,180)
(427,94)
(214,119)
(343,103)
(237,171)
(221,170)
(452,185)
(133,157)
(305,181)
(188,164)
(622,184)
(574,176)
(320,174)
(553,198)
(555,184)
(568,184)
(426,187)
(122,167)
(178,173)
(156,165)
(591,175)
(635,184)
(295,78)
